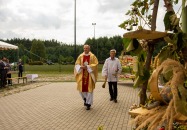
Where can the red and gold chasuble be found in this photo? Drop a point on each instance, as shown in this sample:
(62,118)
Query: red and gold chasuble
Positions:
(85,77)
(86,81)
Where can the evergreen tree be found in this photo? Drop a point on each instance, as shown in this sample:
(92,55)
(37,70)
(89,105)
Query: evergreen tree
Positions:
(38,49)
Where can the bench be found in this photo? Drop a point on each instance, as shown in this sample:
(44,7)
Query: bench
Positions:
(18,78)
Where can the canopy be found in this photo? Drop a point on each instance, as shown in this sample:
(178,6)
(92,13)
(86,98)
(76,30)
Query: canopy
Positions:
(7,46)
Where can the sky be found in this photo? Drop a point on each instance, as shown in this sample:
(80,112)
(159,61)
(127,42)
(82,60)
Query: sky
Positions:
(54,19)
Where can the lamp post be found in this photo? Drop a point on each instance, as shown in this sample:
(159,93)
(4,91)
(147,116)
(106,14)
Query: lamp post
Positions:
(75,56)
(94,37)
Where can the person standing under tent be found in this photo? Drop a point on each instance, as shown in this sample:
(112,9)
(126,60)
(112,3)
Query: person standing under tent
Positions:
(8,71)
(3,71)
(20,68)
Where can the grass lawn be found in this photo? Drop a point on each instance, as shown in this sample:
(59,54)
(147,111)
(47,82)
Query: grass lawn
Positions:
(47,74)
(52,69)
(53,72)
(56,72)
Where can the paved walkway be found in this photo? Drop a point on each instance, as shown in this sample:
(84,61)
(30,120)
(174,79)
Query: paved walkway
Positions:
(58,106)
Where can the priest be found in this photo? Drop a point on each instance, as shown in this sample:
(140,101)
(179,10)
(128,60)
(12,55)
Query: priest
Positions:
(86,75)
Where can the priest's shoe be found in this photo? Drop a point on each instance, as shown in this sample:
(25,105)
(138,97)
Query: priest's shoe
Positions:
(85,102)
(88,107)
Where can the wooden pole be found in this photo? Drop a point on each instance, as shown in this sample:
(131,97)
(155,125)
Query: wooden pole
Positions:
(184,16)
(184,28)
(143,95)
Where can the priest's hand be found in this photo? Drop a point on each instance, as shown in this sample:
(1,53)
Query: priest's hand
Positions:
(83,67)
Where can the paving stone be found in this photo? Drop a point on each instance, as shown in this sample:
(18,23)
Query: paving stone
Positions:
(59,106)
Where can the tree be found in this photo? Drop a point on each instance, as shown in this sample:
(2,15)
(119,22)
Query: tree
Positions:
(105,44)
(37,50)
(70,59)
(53,48)
(62,58)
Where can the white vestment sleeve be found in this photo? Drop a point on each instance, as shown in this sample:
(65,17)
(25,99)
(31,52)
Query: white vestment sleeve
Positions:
(89,69)
(78,68)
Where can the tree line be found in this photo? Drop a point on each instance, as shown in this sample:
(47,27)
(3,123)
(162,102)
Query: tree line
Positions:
(55,51)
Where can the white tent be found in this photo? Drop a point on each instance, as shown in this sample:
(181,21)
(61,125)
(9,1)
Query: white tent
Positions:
(6,46)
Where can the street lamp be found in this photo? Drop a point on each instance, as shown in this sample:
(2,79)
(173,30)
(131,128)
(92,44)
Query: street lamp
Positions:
(94,28)
(75,56)
(94,37)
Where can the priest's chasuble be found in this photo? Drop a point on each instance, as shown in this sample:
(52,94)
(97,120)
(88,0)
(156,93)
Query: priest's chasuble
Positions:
(86,78)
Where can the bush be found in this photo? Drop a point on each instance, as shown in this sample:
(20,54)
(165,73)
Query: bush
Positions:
(36,63)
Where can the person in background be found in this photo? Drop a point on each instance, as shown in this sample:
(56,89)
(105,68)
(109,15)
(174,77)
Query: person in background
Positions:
(86,75)
(110,71)
(20,68)
(3,72)
(8,71)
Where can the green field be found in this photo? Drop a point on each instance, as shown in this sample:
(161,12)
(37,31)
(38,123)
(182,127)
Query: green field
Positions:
(52,69)
(57,72)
